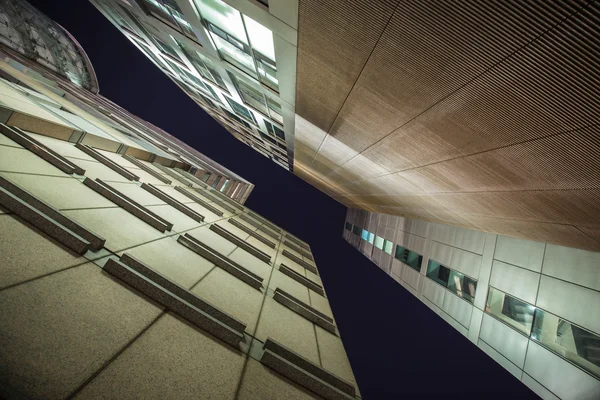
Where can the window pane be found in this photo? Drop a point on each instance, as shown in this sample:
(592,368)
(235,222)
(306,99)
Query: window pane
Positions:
(414,260)
(387,247)
(379,242)
(516,313)
(356,230)
(275,110)
(250,95)
(261,38)
(371,237)
(348,226)
(401,253)
(462,286)
(365,235)
(223,16)
(234,55)
(438,272)
(240,110)
(572,342)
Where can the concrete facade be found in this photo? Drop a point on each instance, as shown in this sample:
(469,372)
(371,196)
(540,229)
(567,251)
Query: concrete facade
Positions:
(532,307)
(131,268)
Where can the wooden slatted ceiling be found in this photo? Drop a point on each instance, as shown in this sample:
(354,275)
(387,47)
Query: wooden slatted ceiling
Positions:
(479,114)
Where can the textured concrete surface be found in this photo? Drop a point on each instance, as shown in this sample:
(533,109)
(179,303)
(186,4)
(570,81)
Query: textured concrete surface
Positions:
(137,194)
(262,383)
(333,355)
(58,330)
(288,328)
(59,192)
(180,221)
(17,263)
(171,360)
(320,303)
(279,280)
(121,229)
(174,261)
(211,239)
(65,149)
(13,159)
(94,169)
(231,295)
(251,263)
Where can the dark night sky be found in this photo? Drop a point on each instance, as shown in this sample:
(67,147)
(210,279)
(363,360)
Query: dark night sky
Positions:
(397,346)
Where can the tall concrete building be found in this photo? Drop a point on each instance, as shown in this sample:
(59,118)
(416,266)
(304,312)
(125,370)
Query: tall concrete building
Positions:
(533,307)
(124,271)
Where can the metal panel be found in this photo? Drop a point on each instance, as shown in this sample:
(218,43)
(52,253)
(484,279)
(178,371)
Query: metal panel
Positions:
(508,342)
(411,277)
(574,303)
(559,376)
(524,253)
(485,270)
(441,253)
(443,233)
(573,265)
(475,325)
(434,292)
(458,309)
(537,388)
(470,240)
(466,262)
(518,282)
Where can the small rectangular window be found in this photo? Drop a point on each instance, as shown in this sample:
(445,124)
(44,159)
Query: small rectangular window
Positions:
(348,226)
(356,230)
(512,311)
(379,242)
(371,237)
(241,110)
(364,235)
(459,284)
(387,247)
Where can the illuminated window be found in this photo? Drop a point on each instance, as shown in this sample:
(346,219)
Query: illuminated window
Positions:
(387,247)
(510,310)
(459,284)
(379,242)
(364,235)
(409,257)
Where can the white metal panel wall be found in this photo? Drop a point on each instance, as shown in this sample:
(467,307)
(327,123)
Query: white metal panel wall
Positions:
(524,253)
(470,240)
(441,253)
(537,388)
(458,309)
(573,265)
(559,376)
(443,233)
(411,277)
(572,302)
(466,262)
(508,342)
(434,292)
(516,281)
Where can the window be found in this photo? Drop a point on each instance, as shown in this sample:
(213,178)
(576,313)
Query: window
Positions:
(241,41)
(459,284)
(371,237)
(206,177)
(387,247)
(241,110)
(570,341)
(216,182)
(203,65)
(512,311)
(224,185)
(409,257)
(254,98)
(168,11)
(379,242)
(356,230)
(167,48)
(364,235)
(274,130)
(348,226)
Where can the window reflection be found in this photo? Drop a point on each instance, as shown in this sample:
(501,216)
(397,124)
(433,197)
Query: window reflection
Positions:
(409,257)
(461,285)
(512,311)
(572,342)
